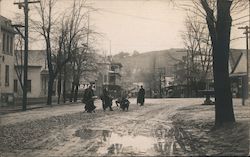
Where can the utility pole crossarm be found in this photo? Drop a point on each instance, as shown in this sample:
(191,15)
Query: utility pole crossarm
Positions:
(22,4)
(18,3)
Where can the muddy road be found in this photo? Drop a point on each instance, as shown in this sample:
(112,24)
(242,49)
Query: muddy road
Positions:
(141,131)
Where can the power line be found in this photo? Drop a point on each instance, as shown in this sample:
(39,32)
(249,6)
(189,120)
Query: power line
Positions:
(129,15)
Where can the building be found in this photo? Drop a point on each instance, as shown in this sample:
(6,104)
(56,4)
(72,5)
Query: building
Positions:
(114,85)
(193,73)
(7,34)
(238,72)
(109,76)
(38,76)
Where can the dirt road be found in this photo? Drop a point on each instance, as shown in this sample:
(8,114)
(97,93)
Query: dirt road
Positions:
(143,130)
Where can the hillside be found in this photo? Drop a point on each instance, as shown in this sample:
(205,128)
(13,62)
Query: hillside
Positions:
(138,68)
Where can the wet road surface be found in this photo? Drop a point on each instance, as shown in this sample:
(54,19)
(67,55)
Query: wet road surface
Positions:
(141,131)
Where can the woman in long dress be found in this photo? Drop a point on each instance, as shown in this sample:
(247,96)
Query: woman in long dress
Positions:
(141,96)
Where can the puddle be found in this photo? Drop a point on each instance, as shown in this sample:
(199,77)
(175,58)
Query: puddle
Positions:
(111,143)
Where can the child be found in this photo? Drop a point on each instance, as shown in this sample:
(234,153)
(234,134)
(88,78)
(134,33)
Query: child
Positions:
(124,102)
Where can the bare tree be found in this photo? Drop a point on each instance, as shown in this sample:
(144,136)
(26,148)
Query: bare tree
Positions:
(77,31)
(197,63)
(220,31)
(44,26)
(83,61)
(59,45)
(19,59)
(218,16)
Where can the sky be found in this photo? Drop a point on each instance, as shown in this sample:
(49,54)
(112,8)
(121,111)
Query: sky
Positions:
(128,25)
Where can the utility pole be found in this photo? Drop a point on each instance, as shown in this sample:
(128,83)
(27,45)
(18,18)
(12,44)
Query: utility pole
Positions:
(25,6)
(245,92)
(160,83)
(88,33)
(161,74)
(248,53)
(154,77)
(109,47)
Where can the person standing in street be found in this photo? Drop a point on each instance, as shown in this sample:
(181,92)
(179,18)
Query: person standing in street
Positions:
(88,99)
(141,96)
(106,100)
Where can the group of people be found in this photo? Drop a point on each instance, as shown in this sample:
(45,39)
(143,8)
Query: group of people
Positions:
(89,97)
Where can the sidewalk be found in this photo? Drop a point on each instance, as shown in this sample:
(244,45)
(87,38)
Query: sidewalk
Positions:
(41,111)
(18,108)
(197,126)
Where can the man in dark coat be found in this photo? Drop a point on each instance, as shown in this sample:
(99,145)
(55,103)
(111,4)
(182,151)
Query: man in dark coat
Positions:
(106,100)
(89,100)
(141,96)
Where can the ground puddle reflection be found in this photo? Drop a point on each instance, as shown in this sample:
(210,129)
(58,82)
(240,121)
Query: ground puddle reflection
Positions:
(111,143)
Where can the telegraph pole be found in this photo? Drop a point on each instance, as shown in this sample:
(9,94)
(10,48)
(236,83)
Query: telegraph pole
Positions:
(245,95)
(162,73)
(26,48)
(248,53)
(25,6)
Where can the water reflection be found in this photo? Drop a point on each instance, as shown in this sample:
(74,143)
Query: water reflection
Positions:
(165,138)
(105,135)
(110,143)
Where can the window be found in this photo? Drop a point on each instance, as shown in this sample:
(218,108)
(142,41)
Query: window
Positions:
(4,41)
(8,44)
(105,79)
(11,45)
(29,86)
(15,86)
(7,75)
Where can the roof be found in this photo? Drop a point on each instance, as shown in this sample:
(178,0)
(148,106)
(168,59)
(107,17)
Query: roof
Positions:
(237,62)
(5,24)
(35,57)
(44,72)
(116,63)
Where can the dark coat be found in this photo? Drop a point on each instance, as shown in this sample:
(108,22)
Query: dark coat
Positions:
(88,100)
(141,96)
(106,99)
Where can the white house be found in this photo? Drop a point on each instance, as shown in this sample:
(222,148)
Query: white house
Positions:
(6,61)
(37,85)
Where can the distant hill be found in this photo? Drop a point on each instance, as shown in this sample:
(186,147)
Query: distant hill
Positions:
(137,67)
(145,61)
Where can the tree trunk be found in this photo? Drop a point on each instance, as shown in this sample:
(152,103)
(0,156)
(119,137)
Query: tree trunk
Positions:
(76,92)
(59,87)
(51,72)
(220,37)
(50,90)
(64,82)
(72,92)
(223,97)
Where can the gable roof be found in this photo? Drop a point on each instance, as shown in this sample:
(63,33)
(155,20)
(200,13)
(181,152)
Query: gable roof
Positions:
(35,58)
(5,24)
(237,62)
